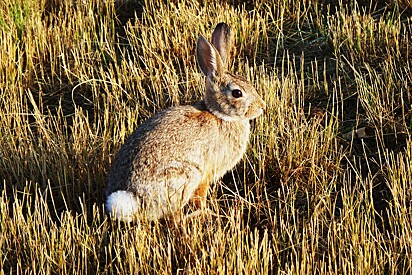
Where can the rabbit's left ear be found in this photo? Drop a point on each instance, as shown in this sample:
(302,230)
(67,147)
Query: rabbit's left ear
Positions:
(208,58)
(222,40)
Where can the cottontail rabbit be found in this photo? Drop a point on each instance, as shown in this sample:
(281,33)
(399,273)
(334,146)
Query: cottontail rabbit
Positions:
(175,155)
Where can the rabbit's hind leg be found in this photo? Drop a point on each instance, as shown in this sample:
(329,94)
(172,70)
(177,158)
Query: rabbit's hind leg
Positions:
(200,195)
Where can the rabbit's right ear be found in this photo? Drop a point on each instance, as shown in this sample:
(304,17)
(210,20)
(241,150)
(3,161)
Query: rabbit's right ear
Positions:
(208,58)
(222,41)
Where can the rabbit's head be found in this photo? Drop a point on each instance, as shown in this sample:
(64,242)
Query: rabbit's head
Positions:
(229,97)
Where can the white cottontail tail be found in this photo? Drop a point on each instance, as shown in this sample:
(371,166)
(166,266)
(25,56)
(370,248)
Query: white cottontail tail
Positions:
(175,155)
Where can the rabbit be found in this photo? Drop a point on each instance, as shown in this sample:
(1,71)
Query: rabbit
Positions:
(174,156)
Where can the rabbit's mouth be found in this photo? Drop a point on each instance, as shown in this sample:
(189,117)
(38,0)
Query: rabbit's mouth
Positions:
(255,114)
(259,112)
(256,109)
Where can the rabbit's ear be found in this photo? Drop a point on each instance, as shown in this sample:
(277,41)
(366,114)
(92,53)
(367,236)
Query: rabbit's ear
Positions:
(208,58)
(222,40)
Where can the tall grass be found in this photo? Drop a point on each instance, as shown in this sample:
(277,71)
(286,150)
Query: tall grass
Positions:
(312,195)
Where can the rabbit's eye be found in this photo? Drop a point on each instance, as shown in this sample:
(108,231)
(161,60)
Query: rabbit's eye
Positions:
(237,93)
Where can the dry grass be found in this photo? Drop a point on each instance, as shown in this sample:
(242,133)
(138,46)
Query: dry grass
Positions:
(311,197)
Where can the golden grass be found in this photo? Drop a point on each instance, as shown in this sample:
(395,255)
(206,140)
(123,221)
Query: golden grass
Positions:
(78,77)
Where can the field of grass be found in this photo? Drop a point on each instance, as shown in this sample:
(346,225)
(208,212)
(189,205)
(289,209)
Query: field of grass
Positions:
(325,187)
